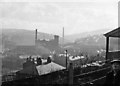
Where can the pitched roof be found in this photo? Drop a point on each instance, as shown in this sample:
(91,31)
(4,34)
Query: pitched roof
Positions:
(113,33)
(41,69)
(48,68)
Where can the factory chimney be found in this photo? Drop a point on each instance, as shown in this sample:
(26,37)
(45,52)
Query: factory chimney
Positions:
(63,35)
(35,36)
(119,14)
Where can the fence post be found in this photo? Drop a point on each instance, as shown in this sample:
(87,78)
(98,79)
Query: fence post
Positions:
(70,74)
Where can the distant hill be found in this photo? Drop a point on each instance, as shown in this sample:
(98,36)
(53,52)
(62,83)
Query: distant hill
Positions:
(91,44)
(98,40)
(20,39)
(23,41)
(86,34)
(23,37)
(93,40)
(27,37)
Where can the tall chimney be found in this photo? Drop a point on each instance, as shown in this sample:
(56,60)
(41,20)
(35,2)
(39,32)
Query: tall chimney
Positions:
(63,35)
(119,14)
(35,36)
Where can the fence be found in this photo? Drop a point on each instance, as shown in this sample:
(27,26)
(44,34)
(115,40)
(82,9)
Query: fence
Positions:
(63,77)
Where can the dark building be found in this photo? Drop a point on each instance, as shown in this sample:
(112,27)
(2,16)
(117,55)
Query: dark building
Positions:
(50,44)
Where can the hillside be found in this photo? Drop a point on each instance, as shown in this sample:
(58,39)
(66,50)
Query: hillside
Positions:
(98,40)
(92,45)
(23,37)
(27,37)
(74,37)
(20,37)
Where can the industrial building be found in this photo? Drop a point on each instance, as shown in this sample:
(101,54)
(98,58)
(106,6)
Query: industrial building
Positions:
(50,44)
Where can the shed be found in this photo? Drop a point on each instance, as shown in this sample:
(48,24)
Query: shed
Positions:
(116,34)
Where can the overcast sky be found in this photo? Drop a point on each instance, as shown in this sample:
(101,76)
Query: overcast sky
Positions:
(51,16)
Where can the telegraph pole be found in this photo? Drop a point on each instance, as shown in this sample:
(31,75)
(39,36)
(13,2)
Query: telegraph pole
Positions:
(66,59)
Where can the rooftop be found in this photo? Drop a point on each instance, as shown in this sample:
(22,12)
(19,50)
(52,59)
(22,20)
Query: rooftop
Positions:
(114,33)
(48,68)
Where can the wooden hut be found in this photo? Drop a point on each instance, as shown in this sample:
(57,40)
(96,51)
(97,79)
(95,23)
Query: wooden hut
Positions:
(115,34)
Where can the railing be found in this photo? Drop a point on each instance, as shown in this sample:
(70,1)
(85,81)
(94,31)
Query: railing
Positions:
(92,76)
(91,72)
(97,75)
(92,81)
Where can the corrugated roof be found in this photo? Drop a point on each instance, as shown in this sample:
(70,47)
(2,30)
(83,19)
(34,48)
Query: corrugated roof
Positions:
(113,33)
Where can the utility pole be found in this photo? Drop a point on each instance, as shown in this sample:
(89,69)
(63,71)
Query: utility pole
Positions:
(71,74)
(66,59)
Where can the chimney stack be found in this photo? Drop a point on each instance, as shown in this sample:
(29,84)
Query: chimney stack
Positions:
(35,36)
(119,14)
(63,35)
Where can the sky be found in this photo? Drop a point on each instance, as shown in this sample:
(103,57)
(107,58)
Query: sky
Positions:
(50,16)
